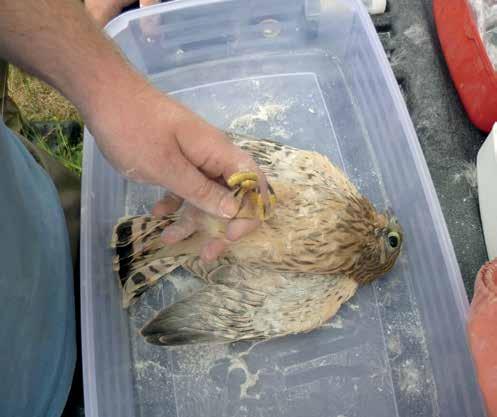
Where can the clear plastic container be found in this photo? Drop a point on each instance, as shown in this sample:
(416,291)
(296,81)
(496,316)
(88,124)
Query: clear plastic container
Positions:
(312,74)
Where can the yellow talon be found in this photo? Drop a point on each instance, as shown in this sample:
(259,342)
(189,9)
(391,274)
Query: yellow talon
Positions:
(249,184)
(246,184)
(238,178)
(261,209)
(262,212)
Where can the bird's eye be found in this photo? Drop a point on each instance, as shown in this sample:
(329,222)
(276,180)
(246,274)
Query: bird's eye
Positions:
(393,239)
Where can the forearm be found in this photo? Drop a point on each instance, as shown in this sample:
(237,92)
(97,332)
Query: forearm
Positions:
(56,41)
(144,134)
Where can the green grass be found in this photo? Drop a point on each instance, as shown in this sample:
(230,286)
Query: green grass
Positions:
(56,144)
(38,102)
(71,156)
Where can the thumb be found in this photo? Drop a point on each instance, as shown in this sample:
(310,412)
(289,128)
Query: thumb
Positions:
(189,183)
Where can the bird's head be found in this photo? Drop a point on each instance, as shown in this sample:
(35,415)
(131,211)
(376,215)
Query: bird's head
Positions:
(381,248)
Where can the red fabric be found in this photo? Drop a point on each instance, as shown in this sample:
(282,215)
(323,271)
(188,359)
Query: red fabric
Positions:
(470,68)
(482,332)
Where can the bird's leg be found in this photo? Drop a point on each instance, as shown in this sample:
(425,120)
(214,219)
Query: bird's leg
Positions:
(247,192)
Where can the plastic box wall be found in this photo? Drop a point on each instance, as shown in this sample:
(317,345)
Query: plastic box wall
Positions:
(312,74)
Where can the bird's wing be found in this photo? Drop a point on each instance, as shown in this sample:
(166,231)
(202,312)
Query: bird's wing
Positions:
(286,163)
(246,303)
(135,240)
(139,259)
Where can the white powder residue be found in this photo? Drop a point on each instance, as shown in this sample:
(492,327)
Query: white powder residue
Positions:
(394,344)
(279,132)
(250,378)
(198,359)
(410,378)
(469,174)
(262,113)
(143,367)
(417,34)
(353,307)
(274,114)
(414,377)
(335,323)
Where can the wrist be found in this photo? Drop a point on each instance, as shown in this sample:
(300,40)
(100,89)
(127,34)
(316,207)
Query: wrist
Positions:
(105,88)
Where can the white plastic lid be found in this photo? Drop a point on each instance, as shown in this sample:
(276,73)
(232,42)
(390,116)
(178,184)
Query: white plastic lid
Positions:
(376,6)
(486,165)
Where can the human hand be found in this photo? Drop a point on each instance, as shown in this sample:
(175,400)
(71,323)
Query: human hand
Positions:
(191,219)
(150,138)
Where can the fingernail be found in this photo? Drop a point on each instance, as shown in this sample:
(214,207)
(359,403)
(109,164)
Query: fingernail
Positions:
(228,207)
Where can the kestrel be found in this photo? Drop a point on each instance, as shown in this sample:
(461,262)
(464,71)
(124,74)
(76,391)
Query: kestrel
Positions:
(319,241)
